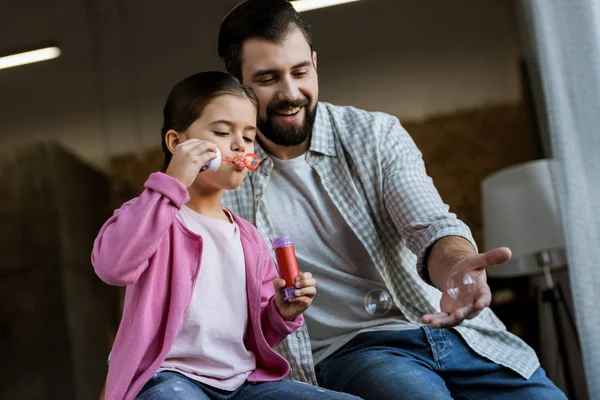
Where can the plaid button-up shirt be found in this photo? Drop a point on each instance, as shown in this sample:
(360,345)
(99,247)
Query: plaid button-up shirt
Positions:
(374,174)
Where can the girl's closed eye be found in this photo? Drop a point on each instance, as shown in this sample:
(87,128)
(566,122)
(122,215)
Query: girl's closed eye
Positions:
(221,133)
(248,140)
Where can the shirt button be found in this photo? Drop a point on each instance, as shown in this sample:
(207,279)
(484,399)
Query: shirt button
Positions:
(299,335)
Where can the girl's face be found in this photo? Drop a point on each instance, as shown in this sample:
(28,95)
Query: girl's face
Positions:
(229,121)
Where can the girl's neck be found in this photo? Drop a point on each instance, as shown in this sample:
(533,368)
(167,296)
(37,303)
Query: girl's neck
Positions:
(207,203)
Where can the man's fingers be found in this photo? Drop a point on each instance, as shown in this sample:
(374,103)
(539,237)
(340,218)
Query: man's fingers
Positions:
(462,313)
(483,299)
(440,320)
(492,257)
(428,318)
(480,304)
(498,255)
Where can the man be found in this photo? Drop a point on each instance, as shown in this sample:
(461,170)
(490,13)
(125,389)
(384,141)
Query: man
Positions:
(350,188)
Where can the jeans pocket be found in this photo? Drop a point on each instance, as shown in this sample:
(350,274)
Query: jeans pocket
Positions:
(159,381)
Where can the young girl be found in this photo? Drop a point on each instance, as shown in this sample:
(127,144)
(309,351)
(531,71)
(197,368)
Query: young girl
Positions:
(203,305)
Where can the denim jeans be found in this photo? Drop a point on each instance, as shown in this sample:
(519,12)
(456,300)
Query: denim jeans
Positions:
(425,364)
(167,385)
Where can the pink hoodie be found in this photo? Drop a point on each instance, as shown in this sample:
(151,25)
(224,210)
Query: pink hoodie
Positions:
(144,246)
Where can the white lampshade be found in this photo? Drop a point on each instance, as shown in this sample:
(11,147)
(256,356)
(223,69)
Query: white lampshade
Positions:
(520,211)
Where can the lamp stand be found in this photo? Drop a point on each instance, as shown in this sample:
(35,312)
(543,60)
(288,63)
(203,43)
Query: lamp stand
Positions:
(554,295)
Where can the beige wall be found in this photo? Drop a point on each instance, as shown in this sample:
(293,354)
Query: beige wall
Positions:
(104,96)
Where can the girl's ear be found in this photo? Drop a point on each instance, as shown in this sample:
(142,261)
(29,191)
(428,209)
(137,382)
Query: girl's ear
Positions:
(172,139)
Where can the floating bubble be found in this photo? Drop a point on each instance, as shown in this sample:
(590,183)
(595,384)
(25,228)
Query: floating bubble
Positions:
(378,302)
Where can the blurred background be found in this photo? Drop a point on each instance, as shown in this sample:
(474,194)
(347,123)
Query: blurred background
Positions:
(476,83)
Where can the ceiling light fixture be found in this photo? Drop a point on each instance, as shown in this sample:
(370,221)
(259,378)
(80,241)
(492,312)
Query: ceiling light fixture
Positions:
(29,57)
(306,5)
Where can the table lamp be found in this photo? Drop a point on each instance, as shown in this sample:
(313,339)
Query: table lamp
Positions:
(520,211)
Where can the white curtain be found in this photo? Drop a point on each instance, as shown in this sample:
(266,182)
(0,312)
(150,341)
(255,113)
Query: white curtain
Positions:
(563,50)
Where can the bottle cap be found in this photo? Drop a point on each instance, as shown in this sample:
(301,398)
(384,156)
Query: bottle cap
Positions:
(282,241)
(288,293)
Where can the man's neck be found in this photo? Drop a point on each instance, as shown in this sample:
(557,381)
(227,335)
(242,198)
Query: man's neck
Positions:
(284,152)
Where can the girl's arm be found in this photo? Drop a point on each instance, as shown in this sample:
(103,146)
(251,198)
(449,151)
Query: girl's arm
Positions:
(132,235)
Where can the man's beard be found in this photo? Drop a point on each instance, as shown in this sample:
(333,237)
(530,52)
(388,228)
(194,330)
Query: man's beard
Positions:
(289,135)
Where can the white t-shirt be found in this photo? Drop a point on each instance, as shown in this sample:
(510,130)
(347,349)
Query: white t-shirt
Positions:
(326,246)
(210,346)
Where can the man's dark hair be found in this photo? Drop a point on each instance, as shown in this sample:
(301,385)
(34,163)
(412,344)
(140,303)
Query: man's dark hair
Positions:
(264,19)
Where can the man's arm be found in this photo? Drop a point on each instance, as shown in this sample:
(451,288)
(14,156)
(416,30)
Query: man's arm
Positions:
(442,242)
(414,203)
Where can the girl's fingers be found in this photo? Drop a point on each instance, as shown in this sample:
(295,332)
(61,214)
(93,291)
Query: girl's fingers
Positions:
(304,275)
(306,283)
(307,291)
(203,146)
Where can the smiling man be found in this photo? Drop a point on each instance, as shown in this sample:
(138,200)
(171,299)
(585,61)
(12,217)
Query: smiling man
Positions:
(285,76)
(350,188)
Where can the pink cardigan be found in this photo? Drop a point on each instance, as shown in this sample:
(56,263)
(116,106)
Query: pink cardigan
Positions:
(144,246)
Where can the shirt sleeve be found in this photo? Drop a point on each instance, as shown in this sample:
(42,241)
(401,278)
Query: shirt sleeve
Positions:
(411,199)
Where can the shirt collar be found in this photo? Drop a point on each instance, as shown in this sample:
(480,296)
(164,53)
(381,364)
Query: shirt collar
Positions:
(321,141)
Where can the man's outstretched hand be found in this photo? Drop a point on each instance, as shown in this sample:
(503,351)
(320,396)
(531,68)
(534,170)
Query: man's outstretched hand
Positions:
(467,305)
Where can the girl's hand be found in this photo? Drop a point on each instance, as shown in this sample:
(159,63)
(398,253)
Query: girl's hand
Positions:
(305,292)
(188,158)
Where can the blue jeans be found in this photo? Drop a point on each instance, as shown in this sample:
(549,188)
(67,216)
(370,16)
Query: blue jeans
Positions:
(425,364)
(167,385)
